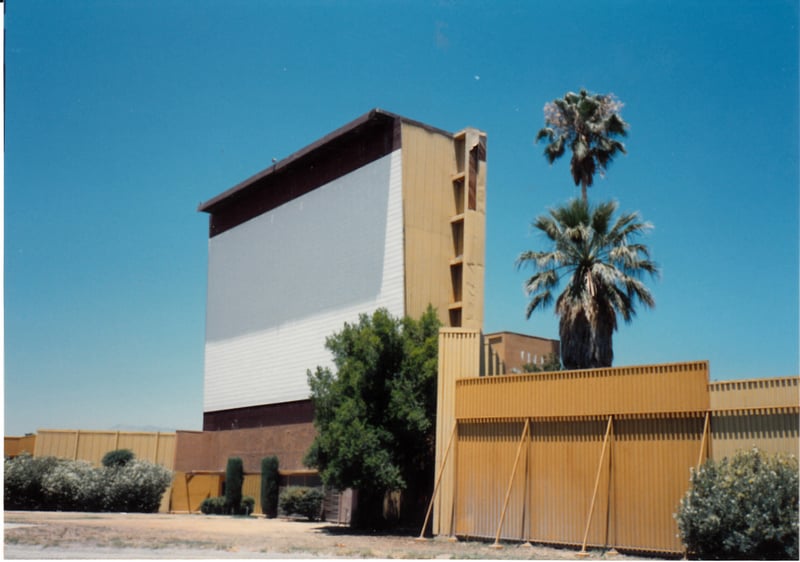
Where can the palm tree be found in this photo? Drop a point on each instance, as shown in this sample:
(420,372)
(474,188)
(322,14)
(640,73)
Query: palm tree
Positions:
(603,267)
(588,124)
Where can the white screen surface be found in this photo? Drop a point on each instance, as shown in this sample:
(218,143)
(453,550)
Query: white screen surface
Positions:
(282,282)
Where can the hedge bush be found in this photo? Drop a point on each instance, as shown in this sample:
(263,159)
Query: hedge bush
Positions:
(269,486)
(301,500)
(219,506)
(136,486)
(745,507)
(48,483)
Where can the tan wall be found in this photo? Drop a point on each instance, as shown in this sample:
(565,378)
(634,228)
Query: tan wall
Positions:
(13,446)
(91,446)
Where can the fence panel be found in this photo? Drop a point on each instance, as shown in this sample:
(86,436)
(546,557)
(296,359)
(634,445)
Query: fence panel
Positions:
(759,413)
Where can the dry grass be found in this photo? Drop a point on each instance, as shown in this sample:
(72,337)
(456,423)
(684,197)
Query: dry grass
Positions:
(208,536)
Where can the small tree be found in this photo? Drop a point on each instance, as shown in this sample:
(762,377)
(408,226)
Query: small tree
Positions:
(234,480)
(745,507)
(117,457)
(269,486)
(375,415)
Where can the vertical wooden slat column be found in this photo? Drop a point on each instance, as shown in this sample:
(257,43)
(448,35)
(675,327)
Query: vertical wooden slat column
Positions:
(459,357)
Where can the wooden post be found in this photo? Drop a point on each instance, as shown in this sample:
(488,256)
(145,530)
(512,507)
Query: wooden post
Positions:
(703,440)
(527,507)
(583,552)
(436,485)
(77,440)
(510,484)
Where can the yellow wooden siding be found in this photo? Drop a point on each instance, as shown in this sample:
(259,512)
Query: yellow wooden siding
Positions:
(757,393)
(642,475)
(760,413)
(252,487)
(459,355)
(679,387)
(190,489)
(428,203)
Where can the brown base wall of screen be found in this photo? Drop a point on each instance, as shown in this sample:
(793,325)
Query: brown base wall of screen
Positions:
(283,430)
(301,411)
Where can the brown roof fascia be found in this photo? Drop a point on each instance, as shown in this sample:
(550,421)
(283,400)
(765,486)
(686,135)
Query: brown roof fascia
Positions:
(373,115)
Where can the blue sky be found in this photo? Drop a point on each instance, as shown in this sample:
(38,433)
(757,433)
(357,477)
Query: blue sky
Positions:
(121,116)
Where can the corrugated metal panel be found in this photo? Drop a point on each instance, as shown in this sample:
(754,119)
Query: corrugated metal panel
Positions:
(641,475)
(770,431)
(758,393)
(760,413)
(679,387)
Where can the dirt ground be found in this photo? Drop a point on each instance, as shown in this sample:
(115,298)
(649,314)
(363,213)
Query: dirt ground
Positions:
(39,535)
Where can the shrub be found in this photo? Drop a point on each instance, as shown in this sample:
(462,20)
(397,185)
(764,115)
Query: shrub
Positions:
(234,480)
(745,507)
(46,483)
(73,486)
(219,506)
(269,486)
(248,503)
(22,481)
(118,457)
(213,506)
(301,500)
(135,487)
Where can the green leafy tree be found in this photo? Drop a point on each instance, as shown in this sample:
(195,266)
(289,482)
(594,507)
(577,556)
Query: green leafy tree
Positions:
(603,268)
(589,125)
(375,414)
